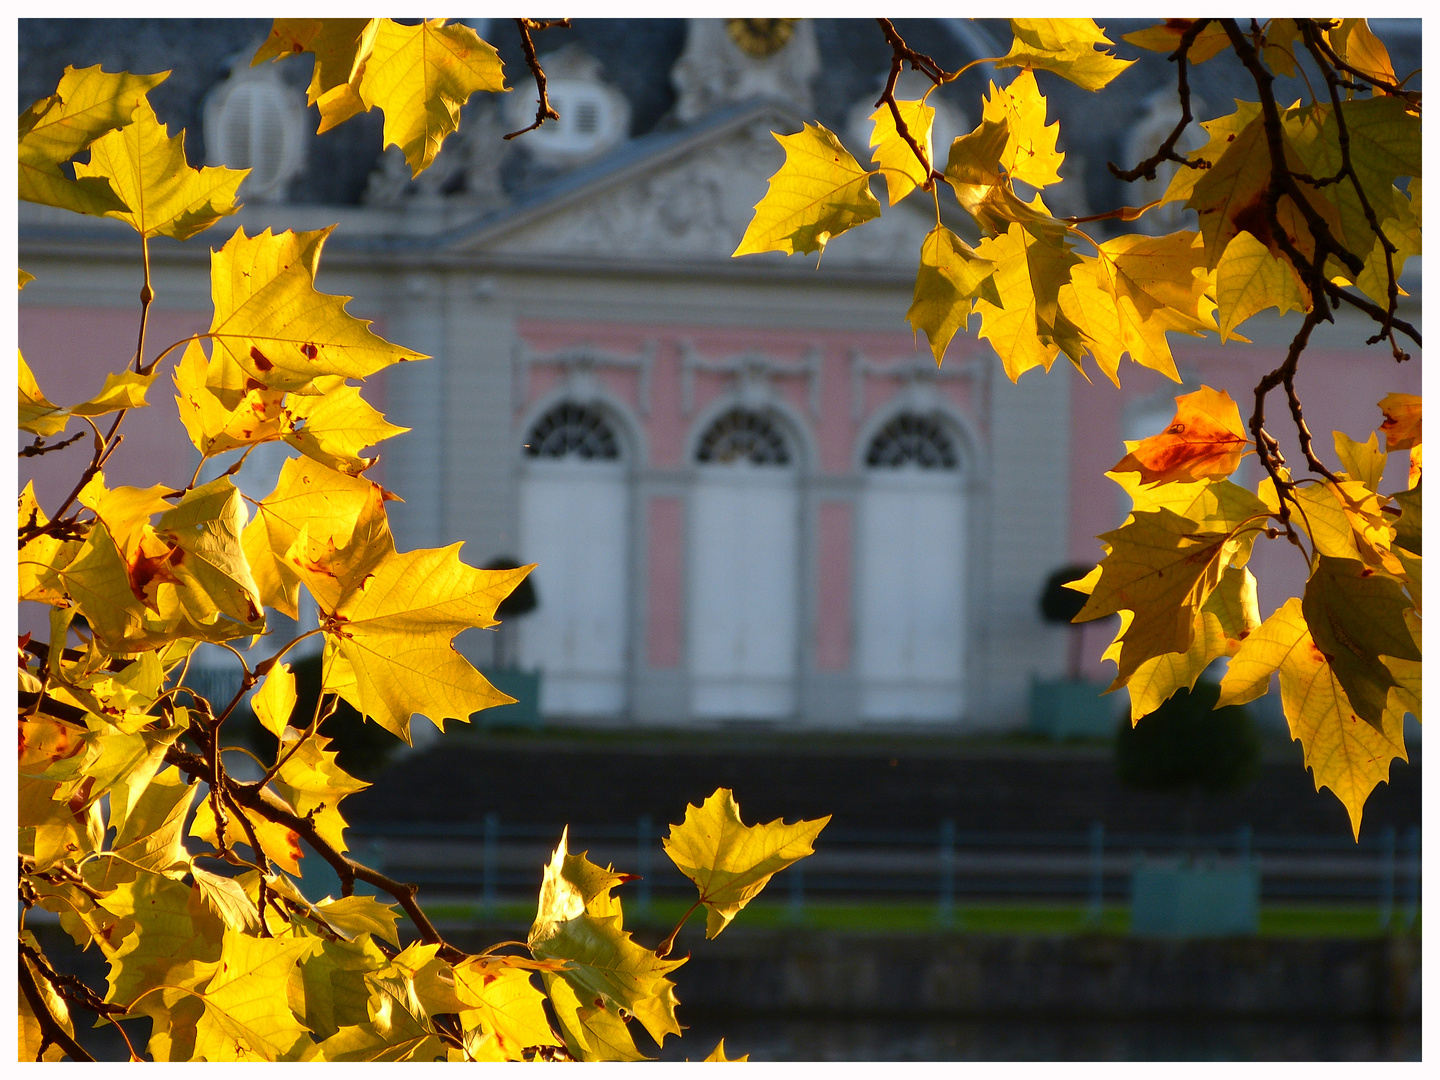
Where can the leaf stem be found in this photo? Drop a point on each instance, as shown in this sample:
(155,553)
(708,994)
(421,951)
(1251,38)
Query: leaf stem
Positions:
(663,949)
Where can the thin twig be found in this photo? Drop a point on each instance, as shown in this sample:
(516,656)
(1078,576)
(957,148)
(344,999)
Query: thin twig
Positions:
(38,447)
(1181,58)
(543,111)
(50,1029)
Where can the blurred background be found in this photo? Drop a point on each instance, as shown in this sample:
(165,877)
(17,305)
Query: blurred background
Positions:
(779,550)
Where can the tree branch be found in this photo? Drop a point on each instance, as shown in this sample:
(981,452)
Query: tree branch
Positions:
(543,110)
(1146,168)
(50,1028)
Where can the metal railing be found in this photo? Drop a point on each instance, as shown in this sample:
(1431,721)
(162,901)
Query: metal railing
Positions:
(493,860)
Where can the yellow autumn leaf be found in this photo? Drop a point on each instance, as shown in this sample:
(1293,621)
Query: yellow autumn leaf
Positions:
(42,556)
(718,1054)
(1030,272)
(729,861)
(1163,568)
(274,325)
(214,429)
(951,274)
(504,1002)
(214,576)
(1356,45)
(395,626)
(1227,617)
(420,76)
(341,48)
(329,507)
(275,700)
(1402,426)
(1249,279)
(1030,154)
(893,156)
(164,195)
(247,1010)
(334,425)
(124,510)
(1074,49)
(1223,131)
(1362,461)
(1346,754)
(280,845)
(87,104)
(313,784)
(819,193)
(578,921)
(122,390)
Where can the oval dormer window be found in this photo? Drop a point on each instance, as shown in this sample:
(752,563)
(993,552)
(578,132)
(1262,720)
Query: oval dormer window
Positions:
(257,123)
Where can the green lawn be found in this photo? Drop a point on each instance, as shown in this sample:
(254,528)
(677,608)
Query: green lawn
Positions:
(1275,921)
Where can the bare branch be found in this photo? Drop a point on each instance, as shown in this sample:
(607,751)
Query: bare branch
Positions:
(543,109)
(1146,168)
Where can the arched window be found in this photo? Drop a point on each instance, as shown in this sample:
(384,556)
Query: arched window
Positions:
(742,435)
(571,430)
(254,121)
(912,440)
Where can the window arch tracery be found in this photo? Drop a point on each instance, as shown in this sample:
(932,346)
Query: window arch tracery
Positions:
(744,435)
(912,439)
(573,430)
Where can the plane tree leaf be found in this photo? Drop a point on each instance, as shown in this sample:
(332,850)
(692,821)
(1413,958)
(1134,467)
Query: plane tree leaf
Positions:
(893,156)
(1165,37)
(1346,754)
(1249,279)
(311,782)
(355,915)
(819,193)
(1402,421)
(504,1002)
(334,425)
(420,76)
(258,416)
(1355,615)
(1026,328)
(213,574)
(395,625)
(1075,49)
(247,1011)
(86,105)
(951,275)
(341,48)
(38,415)
(729,861)
(272,323)
(718,1054)
(1206,438)
(163,195)
(1030,153)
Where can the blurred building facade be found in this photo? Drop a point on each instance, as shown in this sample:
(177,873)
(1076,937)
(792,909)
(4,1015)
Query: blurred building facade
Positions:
(751,493)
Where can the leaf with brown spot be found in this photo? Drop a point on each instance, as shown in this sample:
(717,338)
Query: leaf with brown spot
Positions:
(1205,439)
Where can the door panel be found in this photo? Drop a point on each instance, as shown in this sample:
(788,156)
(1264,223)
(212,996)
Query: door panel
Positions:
(574,524)
(911,602)
(743,595)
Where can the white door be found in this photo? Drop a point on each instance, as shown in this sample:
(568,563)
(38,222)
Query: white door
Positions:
(912,596)
(573,522)
(743,591)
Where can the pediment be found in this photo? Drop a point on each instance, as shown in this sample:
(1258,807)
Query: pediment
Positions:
(689,200)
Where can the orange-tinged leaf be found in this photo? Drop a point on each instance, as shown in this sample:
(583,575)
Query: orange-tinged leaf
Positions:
(1346,754)
(897,162)
(1206,438)
(1165,37)
(1357,46)
(164,195)
(281,845)
(729,861)
(819,193)
(1402,421)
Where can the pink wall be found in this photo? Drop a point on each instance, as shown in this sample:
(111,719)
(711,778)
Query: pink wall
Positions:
(832,622)
(71,350)
(1338,387)
(663,629)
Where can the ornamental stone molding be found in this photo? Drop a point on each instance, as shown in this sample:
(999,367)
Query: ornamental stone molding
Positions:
(918,376)
(579,364)
(714,70)
(752,374)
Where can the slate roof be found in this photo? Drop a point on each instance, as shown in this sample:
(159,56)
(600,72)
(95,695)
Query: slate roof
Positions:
(635,56)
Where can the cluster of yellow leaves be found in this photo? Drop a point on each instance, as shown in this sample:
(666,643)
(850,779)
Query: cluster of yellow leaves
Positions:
(1175,571)
(1347,652)
(114,824)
